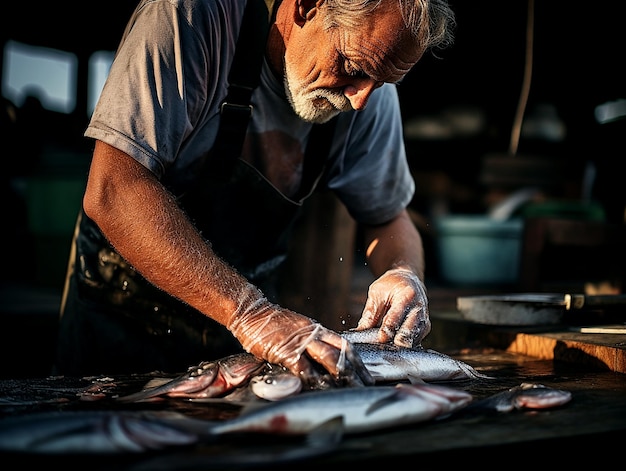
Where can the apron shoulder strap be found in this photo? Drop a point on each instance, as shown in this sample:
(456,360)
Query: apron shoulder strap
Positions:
(243,78)
(315,157)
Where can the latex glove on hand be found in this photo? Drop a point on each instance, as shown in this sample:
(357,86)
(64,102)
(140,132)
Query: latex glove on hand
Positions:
(397,303)
(298,343)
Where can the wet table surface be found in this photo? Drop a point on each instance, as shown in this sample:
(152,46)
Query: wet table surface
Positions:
(588,425)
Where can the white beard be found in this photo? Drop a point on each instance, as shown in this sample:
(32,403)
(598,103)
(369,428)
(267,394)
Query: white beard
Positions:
(315,106)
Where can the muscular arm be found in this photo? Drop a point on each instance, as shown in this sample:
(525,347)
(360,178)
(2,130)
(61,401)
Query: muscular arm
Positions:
(146,226)
(143,222)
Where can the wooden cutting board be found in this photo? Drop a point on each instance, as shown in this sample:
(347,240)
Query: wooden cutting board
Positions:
(597,346)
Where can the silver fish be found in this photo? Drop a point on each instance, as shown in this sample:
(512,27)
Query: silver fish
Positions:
(389,362)
(331,412)
(354,409)
(106,432)
(272,383)
(206,380)
(525,396)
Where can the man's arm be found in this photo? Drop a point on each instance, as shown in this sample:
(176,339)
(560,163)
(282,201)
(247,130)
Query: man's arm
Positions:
(142,220)
(147,227)
(394,244)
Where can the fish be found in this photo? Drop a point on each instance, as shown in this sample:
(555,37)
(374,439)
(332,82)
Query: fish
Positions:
(326,415)
(351,409)
(208,379)
(103,432)
(388,362)
(242,377)
(524,396)
(272,383)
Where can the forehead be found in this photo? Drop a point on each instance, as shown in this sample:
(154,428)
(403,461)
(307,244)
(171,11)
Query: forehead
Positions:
(381,43)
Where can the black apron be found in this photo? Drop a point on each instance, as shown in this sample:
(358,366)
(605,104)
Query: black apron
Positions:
(113,321)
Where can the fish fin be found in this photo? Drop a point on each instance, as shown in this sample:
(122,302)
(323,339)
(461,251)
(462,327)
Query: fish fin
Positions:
(145,395)
(156,382)
(389,397)
(475,374)
(151,389)
(413,379)
(328,433)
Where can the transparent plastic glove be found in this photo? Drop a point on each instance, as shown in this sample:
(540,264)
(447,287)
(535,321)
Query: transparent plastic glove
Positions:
(298,343)
(397,303)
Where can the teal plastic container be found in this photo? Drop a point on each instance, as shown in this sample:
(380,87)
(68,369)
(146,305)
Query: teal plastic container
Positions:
(477,250)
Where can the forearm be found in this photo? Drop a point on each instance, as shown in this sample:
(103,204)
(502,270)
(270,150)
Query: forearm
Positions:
(394,244)
(146,226)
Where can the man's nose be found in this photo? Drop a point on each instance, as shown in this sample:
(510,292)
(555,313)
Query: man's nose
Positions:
(359,92)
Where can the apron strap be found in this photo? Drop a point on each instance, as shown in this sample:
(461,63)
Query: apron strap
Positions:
(315,157)
(243,78)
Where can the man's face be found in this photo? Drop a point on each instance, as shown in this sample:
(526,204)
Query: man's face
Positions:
(327,72)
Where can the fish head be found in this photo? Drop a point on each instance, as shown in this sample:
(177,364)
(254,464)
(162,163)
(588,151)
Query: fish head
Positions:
(237,369)
(276,384)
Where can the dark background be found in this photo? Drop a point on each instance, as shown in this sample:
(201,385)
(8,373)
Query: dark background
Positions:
(577,63)
(578,54)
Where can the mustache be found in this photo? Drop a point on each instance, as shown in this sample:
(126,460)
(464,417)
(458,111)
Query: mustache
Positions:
(336,99)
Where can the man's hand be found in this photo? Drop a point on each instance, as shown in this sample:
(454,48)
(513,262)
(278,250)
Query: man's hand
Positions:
(397,303)
(297,342)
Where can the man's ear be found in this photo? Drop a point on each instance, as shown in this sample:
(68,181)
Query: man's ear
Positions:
(306,10)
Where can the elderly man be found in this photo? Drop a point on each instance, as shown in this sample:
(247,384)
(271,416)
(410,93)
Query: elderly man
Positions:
(217,120)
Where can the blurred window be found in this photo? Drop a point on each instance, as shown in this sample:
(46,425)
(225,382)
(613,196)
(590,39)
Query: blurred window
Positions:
(99,65)
(50,75)
(41,72)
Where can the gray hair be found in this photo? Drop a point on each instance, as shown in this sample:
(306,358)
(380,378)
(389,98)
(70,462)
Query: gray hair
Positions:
(432,22)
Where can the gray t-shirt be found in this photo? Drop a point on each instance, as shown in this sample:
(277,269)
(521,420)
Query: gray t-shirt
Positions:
(160,105)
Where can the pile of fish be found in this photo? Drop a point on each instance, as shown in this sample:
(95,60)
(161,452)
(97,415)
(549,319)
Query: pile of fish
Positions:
(330,413)
(243,377)
(209,379)
(327,415)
